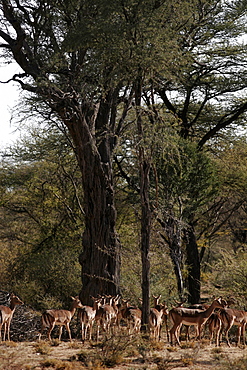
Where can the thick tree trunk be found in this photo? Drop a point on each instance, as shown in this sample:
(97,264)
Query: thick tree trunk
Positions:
(193,262)
(100,258)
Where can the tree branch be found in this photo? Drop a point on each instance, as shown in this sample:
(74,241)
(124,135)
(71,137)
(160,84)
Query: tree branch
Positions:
(225,121)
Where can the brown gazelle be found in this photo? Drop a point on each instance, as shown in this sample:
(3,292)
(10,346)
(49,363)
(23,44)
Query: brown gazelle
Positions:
(50,318)
(214,326)
(131,315)
(121,312)
(223,319)
(157,315)
(134,318)
(6,314)
(86,316)
(106,313)
(155,321)
(180,315)
(230,317)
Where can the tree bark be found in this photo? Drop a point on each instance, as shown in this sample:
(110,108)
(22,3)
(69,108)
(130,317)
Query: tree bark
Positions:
(193,262)
(175,254)
(144,168)
(145,241)
(173,239)
(100,257)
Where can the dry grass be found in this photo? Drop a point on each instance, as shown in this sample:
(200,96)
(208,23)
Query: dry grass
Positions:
(120,353)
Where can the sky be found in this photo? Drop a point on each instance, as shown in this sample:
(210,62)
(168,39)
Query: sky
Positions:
(9,95)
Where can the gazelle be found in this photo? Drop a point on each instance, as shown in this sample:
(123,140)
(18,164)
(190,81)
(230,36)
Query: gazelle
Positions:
(199,307)
(158,314)
(219,320)
(155,320)
(131,314)
(86,316)
(133,317)
(6,314)
(180,315)
(230,317)
(106,313)
(50,318)
(121,312)
(115,304)
(214,326)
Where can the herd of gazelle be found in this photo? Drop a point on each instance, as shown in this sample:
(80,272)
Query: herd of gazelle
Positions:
(107,313)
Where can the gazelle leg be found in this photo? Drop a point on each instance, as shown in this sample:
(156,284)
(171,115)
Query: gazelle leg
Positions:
(60,332)
(239,335)
(68,330)
(8,330)
(243,333)
(50,330)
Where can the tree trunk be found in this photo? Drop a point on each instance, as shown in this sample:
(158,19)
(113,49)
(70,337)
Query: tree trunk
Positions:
(175,254)
(173,238)
(144,165)
(100,258)
(145,241)
(193,262)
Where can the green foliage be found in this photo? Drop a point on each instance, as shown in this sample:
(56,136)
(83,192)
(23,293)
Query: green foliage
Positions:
(187,179)
(230,272)
(120,39)
(43,221)
(234,166)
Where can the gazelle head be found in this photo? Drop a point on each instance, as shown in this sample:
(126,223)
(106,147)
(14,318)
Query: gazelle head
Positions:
(76,302)
(15,300)
(220,302)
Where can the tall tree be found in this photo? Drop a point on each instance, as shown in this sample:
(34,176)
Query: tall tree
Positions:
(209,94)
(36,37)
(82,60)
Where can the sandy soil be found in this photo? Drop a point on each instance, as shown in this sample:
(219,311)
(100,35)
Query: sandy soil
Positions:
(76,356)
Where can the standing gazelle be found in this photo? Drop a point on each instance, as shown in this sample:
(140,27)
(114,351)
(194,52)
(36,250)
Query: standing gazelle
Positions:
(86,316)
(155,320)
(50,318)
(180,315)
(6,314)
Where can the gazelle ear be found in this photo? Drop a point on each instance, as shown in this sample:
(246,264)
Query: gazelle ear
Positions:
(73,299)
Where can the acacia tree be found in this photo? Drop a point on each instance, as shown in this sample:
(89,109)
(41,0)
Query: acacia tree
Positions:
(205,93)
(209,95)
(36,37)
(81,60)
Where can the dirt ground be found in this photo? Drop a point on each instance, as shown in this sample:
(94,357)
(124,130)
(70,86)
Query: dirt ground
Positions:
(161,356)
